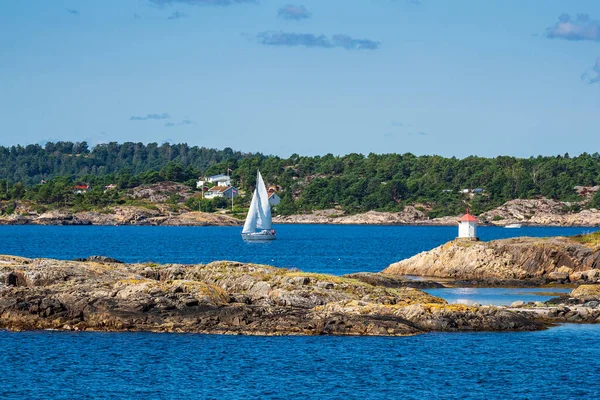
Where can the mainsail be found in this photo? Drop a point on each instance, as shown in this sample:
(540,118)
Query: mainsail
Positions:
(259,214)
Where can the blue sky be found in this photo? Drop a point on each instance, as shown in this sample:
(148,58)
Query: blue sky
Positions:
(447,77)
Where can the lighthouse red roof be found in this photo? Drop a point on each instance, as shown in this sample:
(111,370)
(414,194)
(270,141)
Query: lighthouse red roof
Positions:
(467,218)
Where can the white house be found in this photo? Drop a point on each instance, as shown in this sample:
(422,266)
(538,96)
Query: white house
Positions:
(220,180)
(222,191)
(274,199)
(467,227)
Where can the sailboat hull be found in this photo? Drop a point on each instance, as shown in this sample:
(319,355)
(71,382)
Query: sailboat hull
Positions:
(258,236)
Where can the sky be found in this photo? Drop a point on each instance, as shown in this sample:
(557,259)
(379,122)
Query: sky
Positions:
(446,77)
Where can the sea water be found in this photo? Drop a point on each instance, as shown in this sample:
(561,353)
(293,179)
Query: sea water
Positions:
(558,363)
(331,249)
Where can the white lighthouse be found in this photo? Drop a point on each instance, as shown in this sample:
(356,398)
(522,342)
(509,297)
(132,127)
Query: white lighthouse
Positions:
(467,227)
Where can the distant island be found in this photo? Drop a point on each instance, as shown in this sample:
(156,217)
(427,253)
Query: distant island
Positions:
(135,183)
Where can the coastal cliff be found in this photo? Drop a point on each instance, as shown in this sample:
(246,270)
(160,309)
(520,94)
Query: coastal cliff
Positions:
(225,297)
(540,260)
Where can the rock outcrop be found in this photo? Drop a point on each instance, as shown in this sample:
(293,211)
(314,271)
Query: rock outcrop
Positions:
(161,192)
(222,297)
(409,216)
(123,215)
(582,305)
(542,212)
(543,260)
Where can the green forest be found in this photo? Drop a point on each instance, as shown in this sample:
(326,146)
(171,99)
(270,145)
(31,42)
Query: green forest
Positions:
(354,182)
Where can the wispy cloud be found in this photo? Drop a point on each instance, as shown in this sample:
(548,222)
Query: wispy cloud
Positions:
(580,28)
(399,124)
(593,75)
(149,116)
(291,11)
(182,123)
(310,40)
(203,2)
(136,16)
(177,15)
(72,12)
(420,133)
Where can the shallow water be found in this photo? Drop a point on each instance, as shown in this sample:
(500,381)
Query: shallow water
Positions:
(330,249)
(560,363)
(497,296)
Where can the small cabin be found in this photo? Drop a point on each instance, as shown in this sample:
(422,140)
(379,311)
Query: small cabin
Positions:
(467,227)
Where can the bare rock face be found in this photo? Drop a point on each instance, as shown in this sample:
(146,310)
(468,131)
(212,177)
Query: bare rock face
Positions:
(561,260)
(125,215)
(161,192)
(544,212)
(195,218)
(587,292)
(220,297)
(410,215)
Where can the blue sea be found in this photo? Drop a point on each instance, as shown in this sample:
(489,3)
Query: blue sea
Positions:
(331,249)
(558,363)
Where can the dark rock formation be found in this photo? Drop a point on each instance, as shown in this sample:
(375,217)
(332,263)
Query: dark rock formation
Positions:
(100,259)
(391,281)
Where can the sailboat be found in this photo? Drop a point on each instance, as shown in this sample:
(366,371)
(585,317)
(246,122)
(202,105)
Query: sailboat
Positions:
(258,221)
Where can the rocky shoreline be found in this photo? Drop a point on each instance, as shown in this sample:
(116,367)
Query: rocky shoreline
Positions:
(227,298)
(103,294)
(509,262)
(123,215)
(539,212)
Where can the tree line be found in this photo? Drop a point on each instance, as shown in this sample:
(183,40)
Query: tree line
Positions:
(354,182)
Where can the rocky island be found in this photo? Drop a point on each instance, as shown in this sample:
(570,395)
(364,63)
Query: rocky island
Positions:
(566,260)
(102,294)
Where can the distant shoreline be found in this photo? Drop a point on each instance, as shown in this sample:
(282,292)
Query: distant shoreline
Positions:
(539,212)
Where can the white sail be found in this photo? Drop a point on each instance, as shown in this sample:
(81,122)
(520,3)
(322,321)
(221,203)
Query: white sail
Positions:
(250,224)
(264,207)
(259,214)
